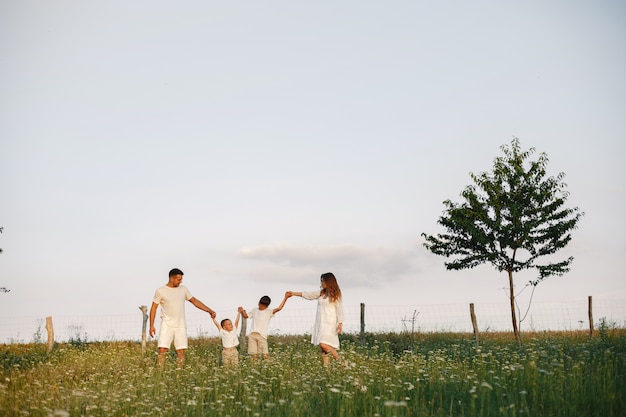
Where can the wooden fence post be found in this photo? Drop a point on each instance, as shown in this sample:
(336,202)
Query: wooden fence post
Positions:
(362,334)
(242,335)
(144,310)
(474,323)
(590,316)
(50,330)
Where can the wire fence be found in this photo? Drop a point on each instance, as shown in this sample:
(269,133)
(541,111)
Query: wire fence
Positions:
(555,316)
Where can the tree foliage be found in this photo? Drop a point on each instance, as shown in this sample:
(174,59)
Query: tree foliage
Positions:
(513,218)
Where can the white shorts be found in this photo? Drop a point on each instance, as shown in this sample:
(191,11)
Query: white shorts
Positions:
(168,334)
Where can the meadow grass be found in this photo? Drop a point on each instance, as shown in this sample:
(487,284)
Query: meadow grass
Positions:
(550,374)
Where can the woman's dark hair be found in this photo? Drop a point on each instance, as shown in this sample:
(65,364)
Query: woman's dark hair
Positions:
(332,288)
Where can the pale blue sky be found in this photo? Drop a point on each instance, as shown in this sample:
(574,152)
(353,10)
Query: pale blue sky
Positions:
(256,145)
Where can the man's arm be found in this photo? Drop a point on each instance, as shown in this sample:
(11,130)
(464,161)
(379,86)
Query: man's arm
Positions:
(153,310)
(200,305)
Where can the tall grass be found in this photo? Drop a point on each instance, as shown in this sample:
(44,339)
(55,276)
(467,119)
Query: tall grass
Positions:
(392,375)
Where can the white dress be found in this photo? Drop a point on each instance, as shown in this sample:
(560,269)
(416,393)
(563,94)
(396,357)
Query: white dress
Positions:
(328,316)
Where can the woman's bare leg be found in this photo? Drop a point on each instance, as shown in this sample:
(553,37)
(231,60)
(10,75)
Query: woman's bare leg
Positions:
(328,350)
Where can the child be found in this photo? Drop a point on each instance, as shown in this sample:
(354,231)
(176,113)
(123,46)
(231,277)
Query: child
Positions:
(230,340)
(261,315)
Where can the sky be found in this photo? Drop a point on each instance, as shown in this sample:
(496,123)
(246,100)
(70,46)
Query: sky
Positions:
(257,145)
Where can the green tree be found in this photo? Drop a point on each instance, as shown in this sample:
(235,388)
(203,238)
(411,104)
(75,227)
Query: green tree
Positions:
(513,218)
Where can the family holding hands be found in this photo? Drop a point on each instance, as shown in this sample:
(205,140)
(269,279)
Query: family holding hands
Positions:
(172,296)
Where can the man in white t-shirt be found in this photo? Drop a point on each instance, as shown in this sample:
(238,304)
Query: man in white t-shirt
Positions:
(171,297)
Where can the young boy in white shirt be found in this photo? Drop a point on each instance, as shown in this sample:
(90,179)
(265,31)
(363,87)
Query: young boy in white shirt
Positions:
(261,316)
(230,340)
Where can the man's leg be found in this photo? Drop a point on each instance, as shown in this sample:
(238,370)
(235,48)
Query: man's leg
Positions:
(180,344)
(161,357)
(166,336)
(180,358)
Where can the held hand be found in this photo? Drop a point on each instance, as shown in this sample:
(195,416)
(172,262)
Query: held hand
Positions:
(212,313)
(289,294)
(240,310)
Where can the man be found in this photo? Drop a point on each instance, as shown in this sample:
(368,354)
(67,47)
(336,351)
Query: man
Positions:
(171,297)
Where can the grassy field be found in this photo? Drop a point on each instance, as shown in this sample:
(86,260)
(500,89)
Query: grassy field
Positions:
(551,374)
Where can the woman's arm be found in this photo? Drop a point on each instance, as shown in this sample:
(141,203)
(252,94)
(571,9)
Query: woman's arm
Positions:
(312,295)
(339,316)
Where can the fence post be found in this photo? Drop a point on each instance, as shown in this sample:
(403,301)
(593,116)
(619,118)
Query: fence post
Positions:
(362,334)
(474,323)
(590,316)
(144,310)
(50,330)
(242,334)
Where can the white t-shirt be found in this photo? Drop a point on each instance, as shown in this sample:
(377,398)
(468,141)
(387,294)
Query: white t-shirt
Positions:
(172,302)
(261,321)
(229,339)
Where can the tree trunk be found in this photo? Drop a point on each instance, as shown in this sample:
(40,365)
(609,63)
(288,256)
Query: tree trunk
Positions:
(512,300)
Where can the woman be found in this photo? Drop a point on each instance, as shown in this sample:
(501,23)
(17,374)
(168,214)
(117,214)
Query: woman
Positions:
(329,317)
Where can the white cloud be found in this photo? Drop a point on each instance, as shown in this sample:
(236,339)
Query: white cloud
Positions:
(351,263)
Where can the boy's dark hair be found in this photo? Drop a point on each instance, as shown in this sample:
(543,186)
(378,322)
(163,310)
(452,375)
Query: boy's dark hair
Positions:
(265,300)
(176,271)
(223,321)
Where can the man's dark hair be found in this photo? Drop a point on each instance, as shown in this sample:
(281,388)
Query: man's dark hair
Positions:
(176,271)
(265,300)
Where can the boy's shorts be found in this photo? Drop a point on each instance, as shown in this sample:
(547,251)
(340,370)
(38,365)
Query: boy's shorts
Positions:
(257,344)
(168,334)
(230,356)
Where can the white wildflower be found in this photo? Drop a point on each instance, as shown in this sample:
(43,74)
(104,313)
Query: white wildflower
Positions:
(390,403)
(486,385)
